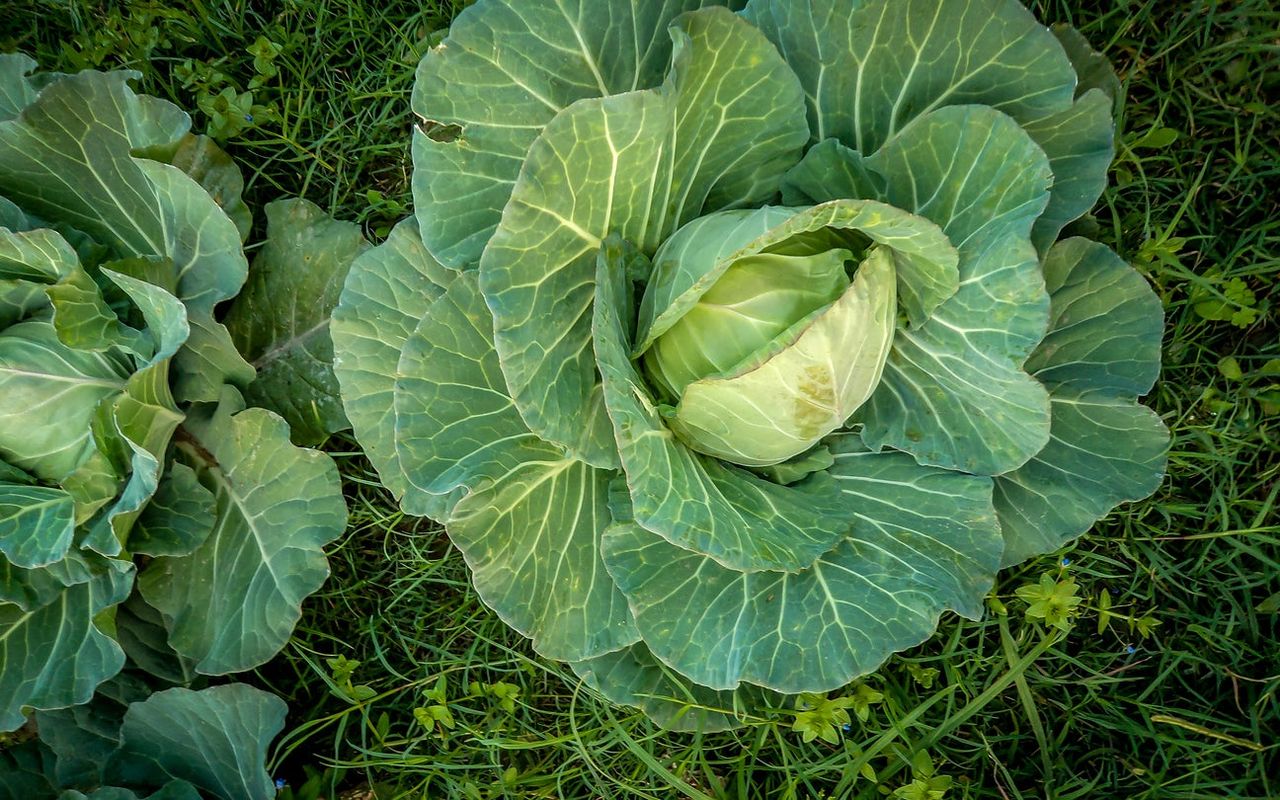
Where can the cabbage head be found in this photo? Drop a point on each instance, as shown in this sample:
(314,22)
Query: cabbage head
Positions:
(732,343)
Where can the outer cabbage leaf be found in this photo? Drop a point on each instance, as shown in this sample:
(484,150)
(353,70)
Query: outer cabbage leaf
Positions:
(280,322)
(233,603)
(144,416)
(456,427)
(27,768)
(85,736)
(56,654)
(216,739)
(37,524)
(215,171)
(19,300)
(1092,68)
(67,156)
(505,70)
(29,589)
(1080,144)
(532,541)
(17,90)
(48,395)
(39,255)
(1101,353)
(934,544)
(208,361)
(141,633)
(530,527)
(953,392)
(632,676)
(13,475)
(870,68)
(388,292)
(173,790)
(11,216)
(719,134)
(177,519)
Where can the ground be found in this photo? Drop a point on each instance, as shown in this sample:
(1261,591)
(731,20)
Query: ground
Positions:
(1143,661)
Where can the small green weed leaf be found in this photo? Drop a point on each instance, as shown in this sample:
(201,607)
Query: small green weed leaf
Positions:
(821,717)
(1163,251)
(1244,317)
(229,111)
(504,694)
(1144,625)
(924,676)
(424,718)
(429,717)
(264,52)
(1269,400)
(1229,368)
(1104,610)
(1226,301)
(925,789)
(864,697)
(922,764)
(1052,601)
(866,770)
(439,692)
(1269,606)
(341,668)
(1155,139)
(441,715)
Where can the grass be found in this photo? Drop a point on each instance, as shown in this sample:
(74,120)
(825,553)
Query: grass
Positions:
(1174,698)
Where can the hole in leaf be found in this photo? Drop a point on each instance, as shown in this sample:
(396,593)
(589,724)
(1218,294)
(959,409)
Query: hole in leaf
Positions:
(440,131)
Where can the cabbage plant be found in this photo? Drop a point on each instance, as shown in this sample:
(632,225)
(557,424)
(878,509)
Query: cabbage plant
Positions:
(154,532)
(732,343)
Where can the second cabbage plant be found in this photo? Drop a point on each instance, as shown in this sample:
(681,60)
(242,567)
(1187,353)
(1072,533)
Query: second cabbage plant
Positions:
(733,343)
